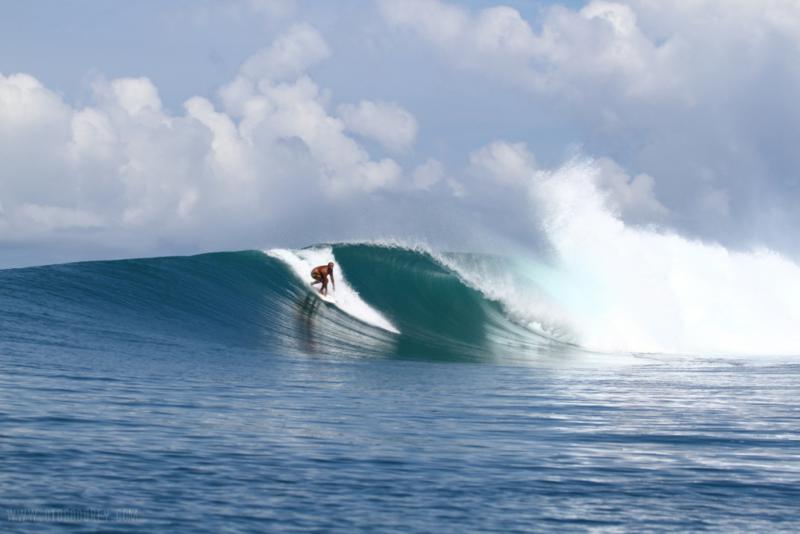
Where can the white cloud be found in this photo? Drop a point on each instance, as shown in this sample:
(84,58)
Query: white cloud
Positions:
(276,102)
(292,54)
(437,21)
(599,42)
(228,156)
(680,90)
(26,104)
(125,166)
(428,174)
(136,95)
(504,163)
(694,100)
(385,122)
(298,111)
(34,132)
(55,217)
(631,196)
(93,136)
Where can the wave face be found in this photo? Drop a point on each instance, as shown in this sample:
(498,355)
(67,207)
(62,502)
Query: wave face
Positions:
(341,294)
(392,302)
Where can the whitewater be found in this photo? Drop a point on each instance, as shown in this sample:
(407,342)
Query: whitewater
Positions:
(630,288)
(303,261)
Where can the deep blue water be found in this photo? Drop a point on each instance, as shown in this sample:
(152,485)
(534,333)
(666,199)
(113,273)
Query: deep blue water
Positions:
(209,394)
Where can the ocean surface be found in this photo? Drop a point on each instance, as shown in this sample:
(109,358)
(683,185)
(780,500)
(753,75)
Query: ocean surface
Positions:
(217,393)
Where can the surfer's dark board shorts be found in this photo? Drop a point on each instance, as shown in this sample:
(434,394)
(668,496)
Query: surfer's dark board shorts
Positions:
(316,275)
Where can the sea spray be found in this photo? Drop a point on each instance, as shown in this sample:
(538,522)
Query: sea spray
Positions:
(648,290)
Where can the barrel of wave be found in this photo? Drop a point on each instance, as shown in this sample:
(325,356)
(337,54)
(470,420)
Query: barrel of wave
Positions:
(347,299)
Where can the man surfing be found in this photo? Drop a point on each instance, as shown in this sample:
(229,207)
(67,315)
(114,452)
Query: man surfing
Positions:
(320,275)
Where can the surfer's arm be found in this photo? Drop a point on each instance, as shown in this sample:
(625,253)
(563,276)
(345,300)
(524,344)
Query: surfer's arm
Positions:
(333,282)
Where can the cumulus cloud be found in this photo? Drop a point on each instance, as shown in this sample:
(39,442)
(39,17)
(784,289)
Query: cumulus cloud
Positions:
(601,41)
(699,96)
(633,197)
(505,163)
(385,122)
(497,38)
(290,55)
(55,217)
(136,95)
(687,109)
(428,174)
(124,166)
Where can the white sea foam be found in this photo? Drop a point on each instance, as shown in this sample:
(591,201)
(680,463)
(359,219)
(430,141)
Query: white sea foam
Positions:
(640,289)
(616,287)
(301,262)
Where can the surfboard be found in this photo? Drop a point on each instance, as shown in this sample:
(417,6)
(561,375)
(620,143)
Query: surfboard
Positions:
(327,298)
(345,298)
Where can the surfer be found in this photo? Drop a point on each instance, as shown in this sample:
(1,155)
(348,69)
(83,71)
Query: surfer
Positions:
(320,275)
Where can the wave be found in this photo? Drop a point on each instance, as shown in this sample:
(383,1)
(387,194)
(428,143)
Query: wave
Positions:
(636,288)
(392,302)
(346,299)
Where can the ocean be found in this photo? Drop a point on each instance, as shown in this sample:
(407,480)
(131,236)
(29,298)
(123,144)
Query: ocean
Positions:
(442,393)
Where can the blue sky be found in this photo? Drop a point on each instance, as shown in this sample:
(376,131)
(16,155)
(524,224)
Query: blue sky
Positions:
(173,43)
(423,120)
(187,48)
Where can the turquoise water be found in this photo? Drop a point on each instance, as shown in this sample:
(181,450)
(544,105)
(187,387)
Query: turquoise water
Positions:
(214,393)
